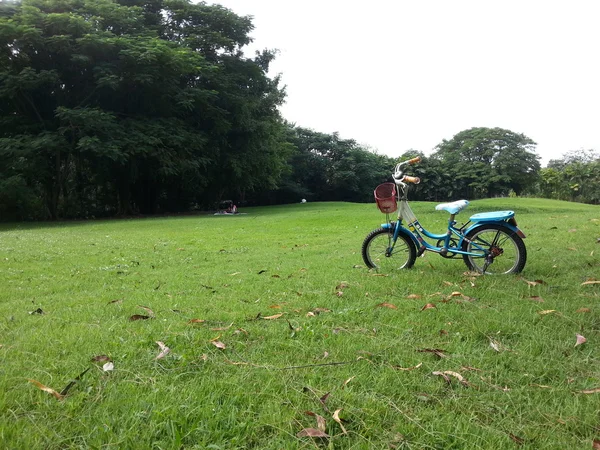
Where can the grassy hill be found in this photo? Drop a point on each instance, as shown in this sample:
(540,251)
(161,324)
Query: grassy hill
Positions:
(307,331)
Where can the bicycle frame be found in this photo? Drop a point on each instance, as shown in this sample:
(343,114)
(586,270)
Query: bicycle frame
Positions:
(416,231)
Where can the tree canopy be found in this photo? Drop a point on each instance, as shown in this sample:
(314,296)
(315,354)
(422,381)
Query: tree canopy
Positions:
(132,106)
(114,107)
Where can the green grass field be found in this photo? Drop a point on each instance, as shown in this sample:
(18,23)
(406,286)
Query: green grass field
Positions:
(308,332)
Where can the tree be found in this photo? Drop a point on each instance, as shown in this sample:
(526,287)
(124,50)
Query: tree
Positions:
(110,107)
(486,162)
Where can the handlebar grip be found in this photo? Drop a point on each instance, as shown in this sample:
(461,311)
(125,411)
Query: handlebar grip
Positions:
(414,160)
(413,180)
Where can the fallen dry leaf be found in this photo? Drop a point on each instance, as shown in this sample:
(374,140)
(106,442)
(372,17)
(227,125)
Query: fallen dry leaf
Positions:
(590,391)
(148,310)
(517,439)
(323,400)
(119,300)
(536,298)
(108,366)
(495,345)
(164,350)
(590,282)
(219,345)
(275,306)
(580,340)
(386,305)
(321,424)
(276,316)
(312,432)
(534,282)
(138,317)
(339,293)
(310,314)
(584,310)
(447,283)
(413,296)
(406,369)
(101,358)
(456,294)
(336,417)
(436,351)
(572,230)
(46,389)
(428,306)
(456,375)
(321,310)
(596,444)
(347,381)
(546,312)
(342,285)
(197,321)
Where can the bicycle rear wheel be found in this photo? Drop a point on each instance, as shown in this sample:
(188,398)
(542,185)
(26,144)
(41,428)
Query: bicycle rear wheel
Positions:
(498,249)
(378,254)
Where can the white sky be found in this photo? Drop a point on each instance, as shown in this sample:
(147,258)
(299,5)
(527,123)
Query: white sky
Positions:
(396,75)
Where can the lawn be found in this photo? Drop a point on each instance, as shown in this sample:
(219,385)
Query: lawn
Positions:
(275,329)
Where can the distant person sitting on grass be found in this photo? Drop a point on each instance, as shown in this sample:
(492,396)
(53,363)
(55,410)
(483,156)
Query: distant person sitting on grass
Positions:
(232,209)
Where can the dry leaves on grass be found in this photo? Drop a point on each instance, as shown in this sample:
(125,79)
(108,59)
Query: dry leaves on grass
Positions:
(546,312)
(218,344)
(580,339)
(101,358)
(584,310)
(456,375)
(164,350)
(336,417)
(413,296)
(312,432)
(585,283)
(45,388)
(590,391)
(536,298)
(138,317)
(321,424)
(193,321)
(534,282)
(440,353)
(148,310)
(596,444)
(407,369)
(347,381)
(274,317)
(386,305)
(428,306)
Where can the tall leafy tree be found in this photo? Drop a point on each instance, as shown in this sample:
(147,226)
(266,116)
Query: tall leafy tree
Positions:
(486,162)
(133,105)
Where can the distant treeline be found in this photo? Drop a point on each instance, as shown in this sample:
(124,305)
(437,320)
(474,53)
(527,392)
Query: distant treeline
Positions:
(150,106)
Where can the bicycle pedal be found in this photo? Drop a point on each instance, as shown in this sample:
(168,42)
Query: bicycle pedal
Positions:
(420,251)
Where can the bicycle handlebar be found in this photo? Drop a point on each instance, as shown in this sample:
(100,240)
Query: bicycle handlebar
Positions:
(414,160)
(413,180)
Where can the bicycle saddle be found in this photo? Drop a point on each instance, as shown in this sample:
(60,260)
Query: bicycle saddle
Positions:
(453,207)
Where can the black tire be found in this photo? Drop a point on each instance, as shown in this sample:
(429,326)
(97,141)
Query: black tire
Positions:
(508,247)
(376,244)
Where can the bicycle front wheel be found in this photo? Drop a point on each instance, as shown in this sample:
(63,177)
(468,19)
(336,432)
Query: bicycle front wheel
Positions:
(377,251)
(495,249)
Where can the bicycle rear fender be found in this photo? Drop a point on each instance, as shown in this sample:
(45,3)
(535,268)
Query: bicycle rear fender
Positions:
(402,230)
(511,224)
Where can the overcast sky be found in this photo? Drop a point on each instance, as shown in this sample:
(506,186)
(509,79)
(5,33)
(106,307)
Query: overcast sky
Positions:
(397,75)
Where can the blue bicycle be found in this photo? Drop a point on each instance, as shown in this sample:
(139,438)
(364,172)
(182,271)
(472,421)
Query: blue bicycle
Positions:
(490,242)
